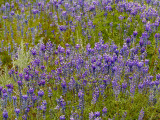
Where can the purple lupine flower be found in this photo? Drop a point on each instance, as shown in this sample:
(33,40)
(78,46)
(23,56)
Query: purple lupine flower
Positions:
(34,98)
(132,90)
(31,91)
(24,117)
(104,110)
(37,62)
(159,53)
(9,93)
(5,114)
(25,97)
(157,83)
(12,13)
(62,28)
(91,115)
(148,1)
(151,96)
(77,46)
(22,10)
(50,92)
(141,115)
(97,114)
(17,111)
(14,101)
(21,76)
(42,67)
(11,72)
(19,83)
(156,38)
(5,95)
(40,93)
(9,86)
(26,77)
(140,87)
(64,86)
(4,90)
(42,47)
(121,17)
(158,76)
(42,82)
(92,8)
(1,88)
(151,84)
(12,5)
(62,117)
(142,49)
(4,17)
(80,94)
(124,115)
(128,40)
(135,33)
(34,52)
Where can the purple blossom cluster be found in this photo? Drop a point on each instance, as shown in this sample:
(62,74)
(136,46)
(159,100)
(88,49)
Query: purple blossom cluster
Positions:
(69,81)
(78,71)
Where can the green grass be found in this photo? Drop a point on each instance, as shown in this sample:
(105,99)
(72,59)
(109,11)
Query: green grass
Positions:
(115,108)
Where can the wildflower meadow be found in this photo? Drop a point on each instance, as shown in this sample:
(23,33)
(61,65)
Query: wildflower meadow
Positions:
(79,60)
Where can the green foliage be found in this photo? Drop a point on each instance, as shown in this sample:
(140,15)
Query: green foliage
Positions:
(6,59)
(23,59)
(102,24)
(5,79)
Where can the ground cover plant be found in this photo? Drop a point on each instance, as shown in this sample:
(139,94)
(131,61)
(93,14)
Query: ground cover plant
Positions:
(79,60)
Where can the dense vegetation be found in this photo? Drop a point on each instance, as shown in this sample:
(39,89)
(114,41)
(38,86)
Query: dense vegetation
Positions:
(79,59)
